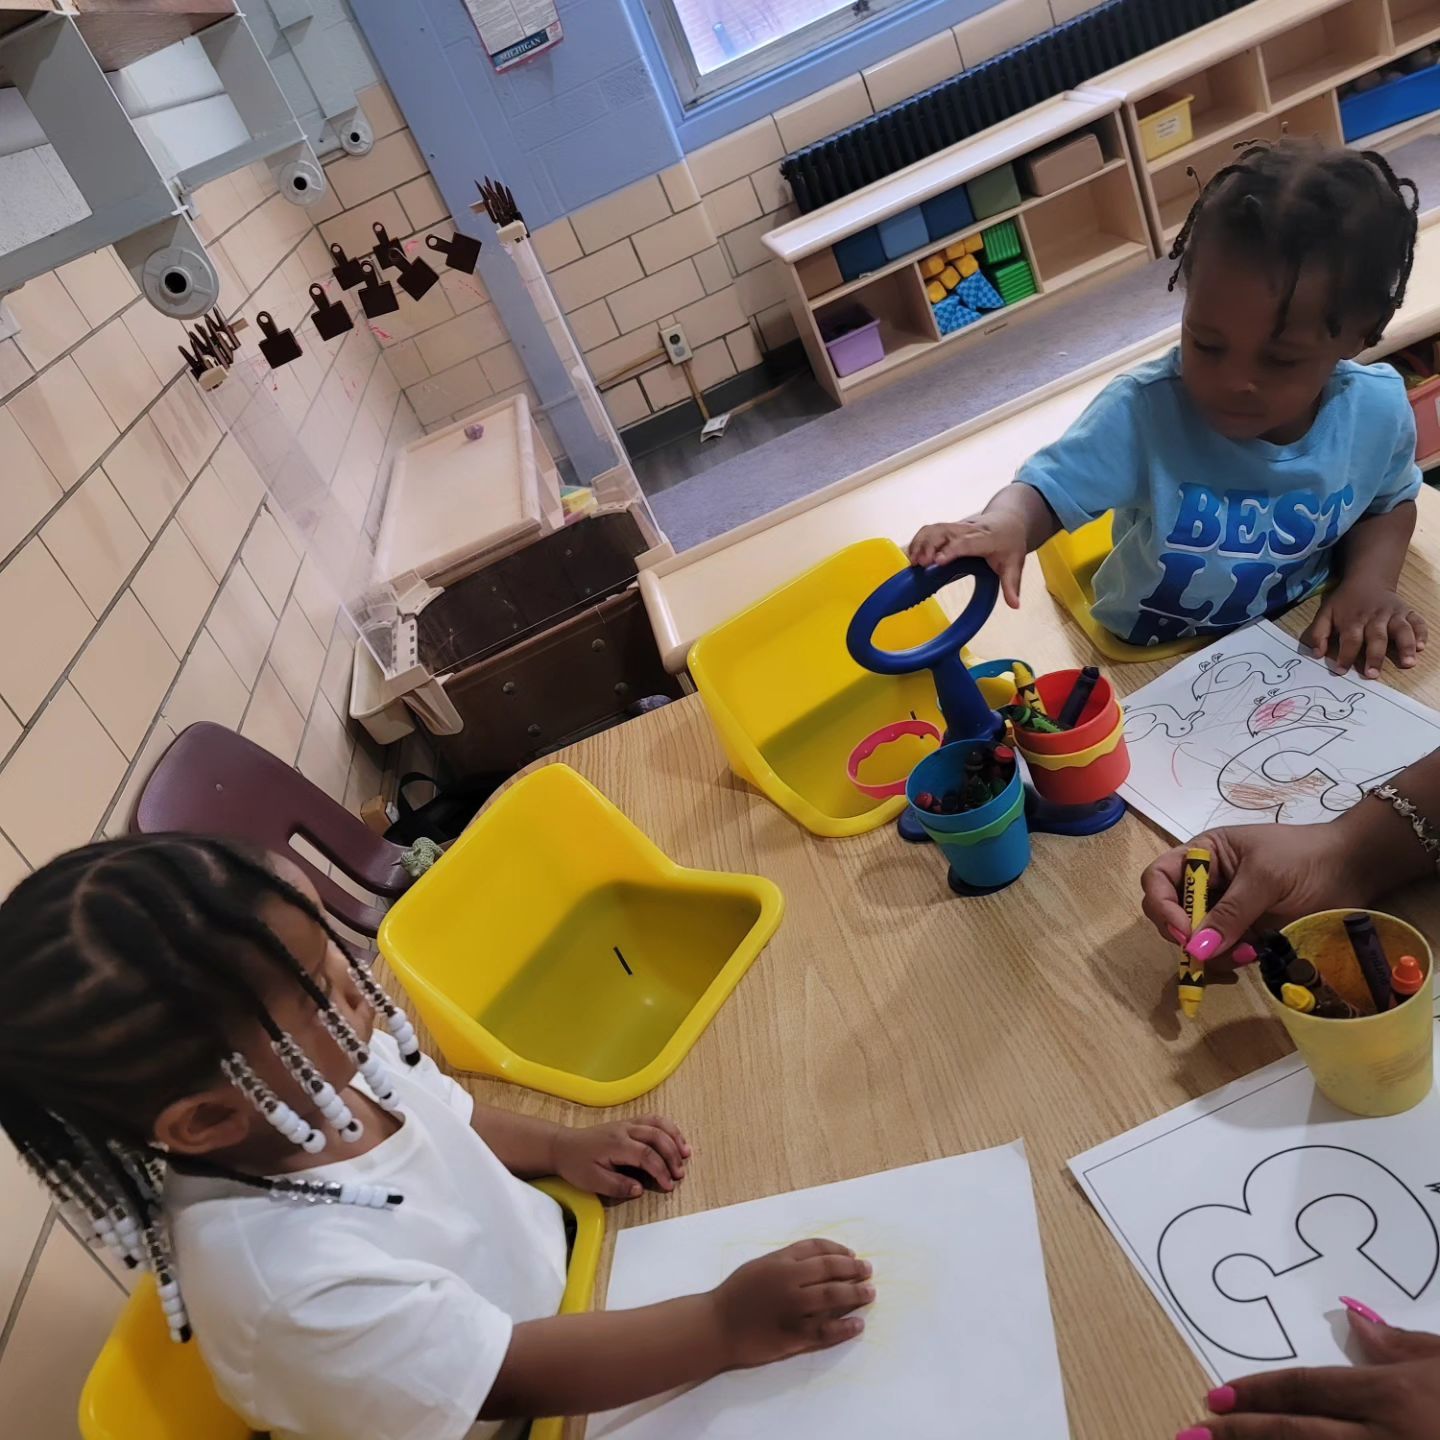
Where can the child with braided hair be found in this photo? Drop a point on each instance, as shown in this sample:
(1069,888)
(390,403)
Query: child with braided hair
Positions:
(1257,460)
(185,1040)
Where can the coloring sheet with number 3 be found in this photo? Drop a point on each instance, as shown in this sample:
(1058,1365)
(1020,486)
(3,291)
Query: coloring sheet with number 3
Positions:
(1250,1212)
(1251,729)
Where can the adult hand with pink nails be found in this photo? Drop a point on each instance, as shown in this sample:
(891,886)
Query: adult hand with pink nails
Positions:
(1393,1395)
(1276,873)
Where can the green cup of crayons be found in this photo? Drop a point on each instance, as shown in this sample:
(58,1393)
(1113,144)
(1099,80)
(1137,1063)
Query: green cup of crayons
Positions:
(1354,989)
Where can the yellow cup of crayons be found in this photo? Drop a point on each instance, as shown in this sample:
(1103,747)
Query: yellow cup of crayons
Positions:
(1379,1062)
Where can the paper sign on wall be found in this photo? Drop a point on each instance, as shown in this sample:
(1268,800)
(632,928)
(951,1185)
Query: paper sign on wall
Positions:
(514,31)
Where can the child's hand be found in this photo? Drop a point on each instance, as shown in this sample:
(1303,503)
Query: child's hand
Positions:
(791,1302)
(998,536)
(613,1160)
(1362,621)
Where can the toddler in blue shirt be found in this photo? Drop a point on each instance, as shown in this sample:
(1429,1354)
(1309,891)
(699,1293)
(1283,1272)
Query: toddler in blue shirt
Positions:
(1257,457)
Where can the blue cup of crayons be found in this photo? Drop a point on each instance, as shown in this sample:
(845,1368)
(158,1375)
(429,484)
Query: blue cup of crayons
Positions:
(969,799)
(1355,992)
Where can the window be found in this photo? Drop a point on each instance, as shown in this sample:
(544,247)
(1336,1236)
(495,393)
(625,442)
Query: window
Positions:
(713,44)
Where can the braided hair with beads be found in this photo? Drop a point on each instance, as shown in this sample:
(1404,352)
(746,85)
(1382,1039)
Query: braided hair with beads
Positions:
(126,966)
(1297,202)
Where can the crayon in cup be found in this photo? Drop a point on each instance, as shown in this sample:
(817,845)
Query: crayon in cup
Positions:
(1026,689)
(1078,698)
(1371,954)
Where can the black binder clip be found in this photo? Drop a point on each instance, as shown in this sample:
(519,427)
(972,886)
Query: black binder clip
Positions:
(279,347)
(385,249)
(460,251)
(417,277)
(378,297)
(331,317)
(346,270)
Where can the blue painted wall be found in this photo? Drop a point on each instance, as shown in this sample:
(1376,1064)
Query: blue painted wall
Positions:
(600,111)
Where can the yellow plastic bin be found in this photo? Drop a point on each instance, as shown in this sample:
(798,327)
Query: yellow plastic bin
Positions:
(143,1386)
(1165,123)
(789,704)
(555,946)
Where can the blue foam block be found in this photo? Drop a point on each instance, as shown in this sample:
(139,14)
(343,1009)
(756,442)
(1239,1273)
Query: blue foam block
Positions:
(979,293)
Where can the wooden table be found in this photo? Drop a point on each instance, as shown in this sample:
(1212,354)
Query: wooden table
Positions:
(889,1023)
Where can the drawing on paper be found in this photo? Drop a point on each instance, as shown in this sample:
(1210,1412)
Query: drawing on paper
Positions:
(1249,731)
(1220,1262)
(1250,1212)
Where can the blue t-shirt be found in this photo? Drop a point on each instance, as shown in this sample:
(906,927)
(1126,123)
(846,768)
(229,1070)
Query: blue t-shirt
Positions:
(1210,532)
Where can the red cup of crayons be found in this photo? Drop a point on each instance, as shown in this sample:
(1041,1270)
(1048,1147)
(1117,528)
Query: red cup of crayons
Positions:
(1073,740)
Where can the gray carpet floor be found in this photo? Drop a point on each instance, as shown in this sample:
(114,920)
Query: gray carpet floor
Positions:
(1040,348)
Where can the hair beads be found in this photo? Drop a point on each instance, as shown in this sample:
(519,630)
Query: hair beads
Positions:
(332,1107)
(299,1132)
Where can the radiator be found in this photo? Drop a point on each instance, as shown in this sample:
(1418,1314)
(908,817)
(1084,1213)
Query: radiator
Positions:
(1059,60)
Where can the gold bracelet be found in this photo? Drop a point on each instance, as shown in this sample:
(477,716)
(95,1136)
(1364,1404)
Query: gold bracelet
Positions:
(1424,831)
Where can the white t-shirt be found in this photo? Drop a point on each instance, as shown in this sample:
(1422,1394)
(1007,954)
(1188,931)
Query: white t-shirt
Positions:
(332,1322)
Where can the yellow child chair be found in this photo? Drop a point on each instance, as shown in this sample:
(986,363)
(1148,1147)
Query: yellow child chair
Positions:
(143,1386)
(1069,563)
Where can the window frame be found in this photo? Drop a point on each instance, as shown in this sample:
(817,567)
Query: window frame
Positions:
(695,89)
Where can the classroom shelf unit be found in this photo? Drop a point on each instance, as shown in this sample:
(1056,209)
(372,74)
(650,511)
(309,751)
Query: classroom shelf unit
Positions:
(1273,67)
(1089,227)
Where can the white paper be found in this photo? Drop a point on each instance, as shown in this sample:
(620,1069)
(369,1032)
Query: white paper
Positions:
(1251,730)
(959,1341)
(1250,1212)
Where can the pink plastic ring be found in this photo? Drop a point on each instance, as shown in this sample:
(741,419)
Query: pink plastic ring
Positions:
(886,735)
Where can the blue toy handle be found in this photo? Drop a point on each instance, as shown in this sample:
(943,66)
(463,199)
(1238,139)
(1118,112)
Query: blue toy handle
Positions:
(912,587)
(967,716)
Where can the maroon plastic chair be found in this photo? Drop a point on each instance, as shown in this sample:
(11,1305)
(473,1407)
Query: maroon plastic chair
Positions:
(212,781)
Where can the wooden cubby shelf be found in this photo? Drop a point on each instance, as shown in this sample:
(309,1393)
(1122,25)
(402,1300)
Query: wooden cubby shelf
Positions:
(1326,51)
(1272,67)
(1414,23)
(1085,228)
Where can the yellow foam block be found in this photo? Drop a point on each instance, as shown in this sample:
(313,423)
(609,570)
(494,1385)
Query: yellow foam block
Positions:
(975,244)
(968,266)
(935,292)
(931,266)
(955,251)
(949,277)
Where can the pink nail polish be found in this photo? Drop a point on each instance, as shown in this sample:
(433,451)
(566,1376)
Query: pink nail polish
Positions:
(1195,1432)
(1204,944)
(1244,954)
(1359,1308)
(1177,934)
(1223,1400)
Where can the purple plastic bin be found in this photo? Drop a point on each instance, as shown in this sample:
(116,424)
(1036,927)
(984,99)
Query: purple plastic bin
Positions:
(853,340)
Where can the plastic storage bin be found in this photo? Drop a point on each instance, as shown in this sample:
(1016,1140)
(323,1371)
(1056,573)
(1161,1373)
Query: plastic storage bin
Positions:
(1425,401)
(947,212)
(852,338)
(993,192)
(859,253)
(1404,99)
(903,233)
(1167,126)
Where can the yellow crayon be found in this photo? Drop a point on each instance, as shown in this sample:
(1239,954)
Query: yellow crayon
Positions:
(1297,997)
(1026,688)
(1192,988)
(1195,896)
